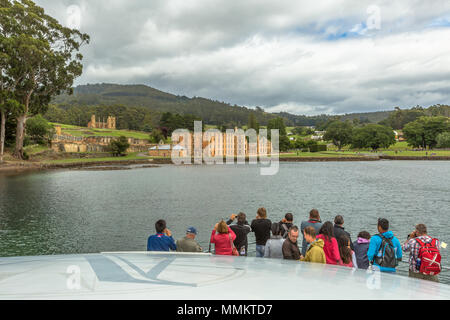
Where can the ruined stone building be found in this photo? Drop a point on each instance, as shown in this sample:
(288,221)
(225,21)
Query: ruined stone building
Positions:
(109,124)
(69,143)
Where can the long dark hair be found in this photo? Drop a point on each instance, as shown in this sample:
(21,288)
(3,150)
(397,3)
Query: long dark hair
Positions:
(275,229)
(344,249)
(327,230)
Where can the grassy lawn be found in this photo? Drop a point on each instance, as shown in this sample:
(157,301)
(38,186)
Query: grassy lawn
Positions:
(86,132)
(322,154)
(417,153)
(398,149)
(34,149)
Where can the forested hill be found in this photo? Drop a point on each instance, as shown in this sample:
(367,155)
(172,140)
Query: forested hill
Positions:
(212,112)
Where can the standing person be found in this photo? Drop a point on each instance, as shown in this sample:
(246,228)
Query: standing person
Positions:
(340,230)
(361,246)
(315,251)
(315,222)
(290,246)
(261,227)
(188,243)
(286,224)
(162,240)
(222,236)
(384,249)
(274,246)
(241,229)
(348,258)
(419,244)
(330,247)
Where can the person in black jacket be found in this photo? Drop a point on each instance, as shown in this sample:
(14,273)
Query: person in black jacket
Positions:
(339,230)
(261,226)
(290,246)
(241,229)
(286,224)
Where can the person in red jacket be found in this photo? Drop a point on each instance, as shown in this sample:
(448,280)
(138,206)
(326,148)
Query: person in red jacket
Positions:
(331,248)
(222,236)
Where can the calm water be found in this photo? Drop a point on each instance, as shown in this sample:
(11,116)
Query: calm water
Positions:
(63,212)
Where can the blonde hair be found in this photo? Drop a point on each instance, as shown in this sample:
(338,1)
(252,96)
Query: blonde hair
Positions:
(222,227)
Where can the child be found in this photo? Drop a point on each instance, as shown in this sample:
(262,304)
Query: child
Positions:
(348,257)
(361,247)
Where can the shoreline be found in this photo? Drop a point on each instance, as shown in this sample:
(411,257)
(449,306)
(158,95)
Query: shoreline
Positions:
(23,167)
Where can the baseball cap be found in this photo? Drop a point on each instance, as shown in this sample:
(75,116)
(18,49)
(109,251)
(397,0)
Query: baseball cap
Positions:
(191,230)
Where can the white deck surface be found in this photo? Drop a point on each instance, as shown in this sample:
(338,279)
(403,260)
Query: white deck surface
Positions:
(162,276)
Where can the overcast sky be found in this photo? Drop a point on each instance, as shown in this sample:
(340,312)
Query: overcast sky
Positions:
(303,57)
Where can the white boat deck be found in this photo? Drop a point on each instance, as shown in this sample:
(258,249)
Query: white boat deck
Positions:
(161,276)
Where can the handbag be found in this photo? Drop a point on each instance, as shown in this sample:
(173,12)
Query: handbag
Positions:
(234,251)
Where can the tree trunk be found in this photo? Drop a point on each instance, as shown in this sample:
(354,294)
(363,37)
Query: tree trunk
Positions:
(20,135)
(2,134)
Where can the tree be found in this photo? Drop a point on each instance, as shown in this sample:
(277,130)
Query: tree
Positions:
(278,123)
(443,140)
(373,136)
(253,123)
(156,136)
(39,130)
(399,118)
(43,59)
(340,133)
(7,102)
(299,131)
(119,146)
(423,132)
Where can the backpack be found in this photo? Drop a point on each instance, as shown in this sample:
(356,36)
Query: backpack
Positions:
(286,231)
(430,257)
(388,258)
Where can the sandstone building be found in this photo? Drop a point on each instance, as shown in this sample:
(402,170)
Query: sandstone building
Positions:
(109,124)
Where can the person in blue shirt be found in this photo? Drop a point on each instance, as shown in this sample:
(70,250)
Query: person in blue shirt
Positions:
(375,251)
(162,240)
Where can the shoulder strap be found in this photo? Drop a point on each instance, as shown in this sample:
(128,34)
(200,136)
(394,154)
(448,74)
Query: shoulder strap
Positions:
(434,242)
(420,242)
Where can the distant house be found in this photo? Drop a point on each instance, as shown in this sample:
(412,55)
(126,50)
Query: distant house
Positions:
(318,135)
(161,150)
(165,150)
(399,135)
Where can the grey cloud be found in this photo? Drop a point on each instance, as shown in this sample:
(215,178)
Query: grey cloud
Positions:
(269,53)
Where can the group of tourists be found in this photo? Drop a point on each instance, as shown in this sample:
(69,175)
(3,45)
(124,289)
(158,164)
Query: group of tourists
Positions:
(326,243)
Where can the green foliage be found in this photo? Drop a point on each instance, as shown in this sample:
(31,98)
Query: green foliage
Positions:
(278,123)
(443,140)
(423,132)
(158,102)
(42,59)
(318,148)
(127,118)
(253,122)
(39,130)
(399,118)
(302,131)
(340,133)
(297,144)
(170,122)
(119,146)
(373,136)
(156,136)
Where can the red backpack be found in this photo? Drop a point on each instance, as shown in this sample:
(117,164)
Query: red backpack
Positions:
(430,257)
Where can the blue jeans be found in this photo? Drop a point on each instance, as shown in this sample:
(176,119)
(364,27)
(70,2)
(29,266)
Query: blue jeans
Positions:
(260,251)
